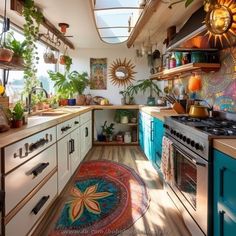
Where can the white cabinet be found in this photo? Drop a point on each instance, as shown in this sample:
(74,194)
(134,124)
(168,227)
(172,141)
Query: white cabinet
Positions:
(68,157)
(86,138)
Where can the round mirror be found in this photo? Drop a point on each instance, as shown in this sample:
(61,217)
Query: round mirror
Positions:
(121,72)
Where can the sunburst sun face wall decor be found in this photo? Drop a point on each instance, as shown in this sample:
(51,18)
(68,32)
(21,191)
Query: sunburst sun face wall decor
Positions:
(121,72)
(221,20)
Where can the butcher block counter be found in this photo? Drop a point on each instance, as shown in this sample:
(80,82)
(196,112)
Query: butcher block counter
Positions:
(227,146)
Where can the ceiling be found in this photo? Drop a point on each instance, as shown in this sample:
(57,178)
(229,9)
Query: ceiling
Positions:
(78,14)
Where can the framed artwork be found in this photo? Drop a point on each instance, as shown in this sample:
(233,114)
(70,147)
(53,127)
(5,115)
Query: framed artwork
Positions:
(98,73)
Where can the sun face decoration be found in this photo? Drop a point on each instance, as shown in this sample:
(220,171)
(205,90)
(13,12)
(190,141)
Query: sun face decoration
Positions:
(121,73)
(221,21)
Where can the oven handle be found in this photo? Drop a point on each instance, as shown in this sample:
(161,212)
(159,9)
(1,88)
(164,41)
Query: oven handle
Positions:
(188,157)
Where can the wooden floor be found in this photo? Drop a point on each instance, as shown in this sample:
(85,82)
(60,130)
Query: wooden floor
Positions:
(162,218)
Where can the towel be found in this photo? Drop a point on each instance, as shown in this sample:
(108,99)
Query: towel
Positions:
(167,160)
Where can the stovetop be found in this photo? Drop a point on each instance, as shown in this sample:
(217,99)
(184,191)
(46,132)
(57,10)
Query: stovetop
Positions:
(211,126)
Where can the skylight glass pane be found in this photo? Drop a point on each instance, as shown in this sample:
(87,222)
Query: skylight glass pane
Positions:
(115,40)
(114,32)
(115,3)
(116,18)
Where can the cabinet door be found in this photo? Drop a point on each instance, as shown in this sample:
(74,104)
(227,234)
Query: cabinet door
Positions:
(63,162)
(75,152)
(224,194)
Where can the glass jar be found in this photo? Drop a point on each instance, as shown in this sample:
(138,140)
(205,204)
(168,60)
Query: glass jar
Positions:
(127,137)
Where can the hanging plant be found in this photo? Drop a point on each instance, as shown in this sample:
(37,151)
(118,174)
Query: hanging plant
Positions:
(33,18)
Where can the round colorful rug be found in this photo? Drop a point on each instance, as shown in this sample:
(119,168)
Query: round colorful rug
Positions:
(106,199)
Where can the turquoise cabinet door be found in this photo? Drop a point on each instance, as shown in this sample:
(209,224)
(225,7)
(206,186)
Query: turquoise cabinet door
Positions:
(224,194)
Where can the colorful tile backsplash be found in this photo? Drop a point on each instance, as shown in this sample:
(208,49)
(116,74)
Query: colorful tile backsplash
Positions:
(219,88)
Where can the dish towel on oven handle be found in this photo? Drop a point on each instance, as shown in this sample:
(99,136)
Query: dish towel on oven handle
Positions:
(167,160)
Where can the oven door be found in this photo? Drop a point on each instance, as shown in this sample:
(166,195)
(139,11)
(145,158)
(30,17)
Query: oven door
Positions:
(191,183)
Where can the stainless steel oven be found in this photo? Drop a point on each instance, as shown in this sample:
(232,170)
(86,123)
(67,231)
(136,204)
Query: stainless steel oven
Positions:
(190,184)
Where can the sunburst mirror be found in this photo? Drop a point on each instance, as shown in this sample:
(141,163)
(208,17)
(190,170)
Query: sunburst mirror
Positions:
(121,72)
(221,20)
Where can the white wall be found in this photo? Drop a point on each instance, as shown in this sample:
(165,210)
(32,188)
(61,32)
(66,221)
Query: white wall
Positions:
(81,62)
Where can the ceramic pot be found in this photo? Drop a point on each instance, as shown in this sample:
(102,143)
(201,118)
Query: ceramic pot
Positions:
(71,101)
(80,99)
(62,60)
(101,137)
(17,123)
(5,54)
(40,106)
(88,99)
(151,101)
(63,102)
(124,120)
(108,138)
(17,60)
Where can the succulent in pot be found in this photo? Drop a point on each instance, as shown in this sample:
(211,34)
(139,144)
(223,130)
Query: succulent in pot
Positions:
(107,131)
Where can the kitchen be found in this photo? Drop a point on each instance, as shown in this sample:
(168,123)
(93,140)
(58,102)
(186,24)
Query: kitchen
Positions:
(119,117)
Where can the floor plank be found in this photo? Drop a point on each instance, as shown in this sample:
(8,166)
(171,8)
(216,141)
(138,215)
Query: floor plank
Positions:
(161,218)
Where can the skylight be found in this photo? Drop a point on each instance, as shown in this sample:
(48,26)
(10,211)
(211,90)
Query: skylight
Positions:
(115,19)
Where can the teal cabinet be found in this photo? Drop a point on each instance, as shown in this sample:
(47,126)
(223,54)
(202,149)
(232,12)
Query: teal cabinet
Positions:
(224,194)
(150,138)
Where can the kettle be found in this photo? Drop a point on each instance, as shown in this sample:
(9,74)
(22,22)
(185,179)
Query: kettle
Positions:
(198,111)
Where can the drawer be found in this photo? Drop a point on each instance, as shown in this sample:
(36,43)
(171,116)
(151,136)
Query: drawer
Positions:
(76,122)
(17,153)
(25,178)
(85,117)
(25,219)
(65,128)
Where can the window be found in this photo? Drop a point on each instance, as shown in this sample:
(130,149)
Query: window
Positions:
(15,84)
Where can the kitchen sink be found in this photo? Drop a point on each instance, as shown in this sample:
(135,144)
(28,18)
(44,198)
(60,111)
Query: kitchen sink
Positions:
(52,113)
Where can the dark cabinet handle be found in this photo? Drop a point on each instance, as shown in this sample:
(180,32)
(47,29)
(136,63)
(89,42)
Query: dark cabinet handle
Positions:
(63,129)
(70,146)
(73,145)
(158,154)
(86,131)
(39,168)
(222,171)
(2,198)
(39,143)
(76,122)
(40,204)
(221,215)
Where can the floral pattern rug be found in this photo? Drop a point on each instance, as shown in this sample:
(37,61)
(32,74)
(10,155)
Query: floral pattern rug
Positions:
(106,199)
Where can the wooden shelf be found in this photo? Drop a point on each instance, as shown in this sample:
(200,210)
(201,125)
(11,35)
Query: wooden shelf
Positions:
(114,143)
(171,73)
(130,124)
(11,66)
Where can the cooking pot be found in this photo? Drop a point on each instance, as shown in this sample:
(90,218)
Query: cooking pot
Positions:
(198,111)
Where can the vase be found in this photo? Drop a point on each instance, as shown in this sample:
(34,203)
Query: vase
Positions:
(71,101)
(88,99)
(178,58)
(80,100)
(63,102)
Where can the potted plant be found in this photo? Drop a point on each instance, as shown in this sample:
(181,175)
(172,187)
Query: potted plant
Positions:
(123,116)
(17,115)
(128,94)
(5,54)
(49,57)
(65,60)
(80,82)
(107,131)
(18,48)
(144,85)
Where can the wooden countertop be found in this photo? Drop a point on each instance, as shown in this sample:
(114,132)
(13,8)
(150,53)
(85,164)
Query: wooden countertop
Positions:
(158,112)
(227,146)
(114,107)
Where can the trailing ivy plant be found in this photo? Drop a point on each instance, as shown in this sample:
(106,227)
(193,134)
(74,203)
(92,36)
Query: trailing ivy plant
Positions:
(33,18)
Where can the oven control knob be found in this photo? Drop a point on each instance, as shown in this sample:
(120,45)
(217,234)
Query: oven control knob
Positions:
(198,146)
(177,134)
(166,126)
(188,140)
(192,143)
(184,138)
(174,132)
(171,131)
(180,136)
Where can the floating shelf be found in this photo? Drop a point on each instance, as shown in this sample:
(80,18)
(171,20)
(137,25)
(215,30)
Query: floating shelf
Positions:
(171,73)
(11,66)
(114,143)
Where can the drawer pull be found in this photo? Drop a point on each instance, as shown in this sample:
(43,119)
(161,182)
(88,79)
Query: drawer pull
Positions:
(36,145)
(2,198)
(40,204)
(76,122)
(86,131)
(63,129)
(39,168)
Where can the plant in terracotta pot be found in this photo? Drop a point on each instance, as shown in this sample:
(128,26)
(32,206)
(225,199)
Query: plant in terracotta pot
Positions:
(5,54)
(18,47)
(66,60)
(17,115)
(80,82)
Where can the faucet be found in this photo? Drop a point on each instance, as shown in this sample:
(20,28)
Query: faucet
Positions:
(33,90)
